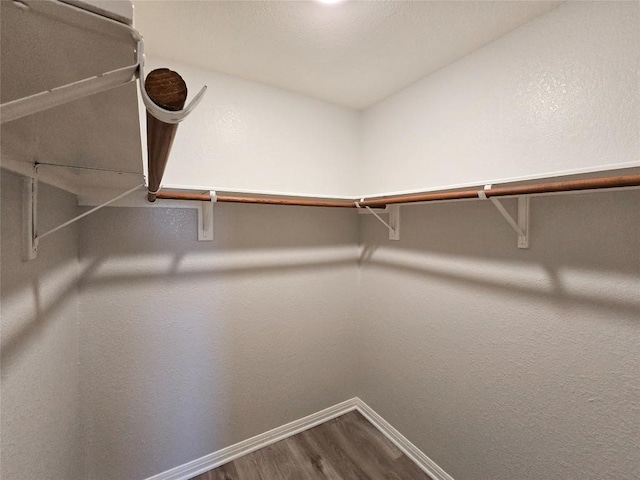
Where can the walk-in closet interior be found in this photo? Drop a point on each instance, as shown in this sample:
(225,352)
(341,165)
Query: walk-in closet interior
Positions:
(414,219)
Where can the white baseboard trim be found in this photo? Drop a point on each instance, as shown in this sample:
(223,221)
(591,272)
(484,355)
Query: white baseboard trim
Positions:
(226,455)
(418,457)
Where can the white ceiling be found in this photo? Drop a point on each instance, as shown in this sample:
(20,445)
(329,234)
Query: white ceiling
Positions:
(353,53)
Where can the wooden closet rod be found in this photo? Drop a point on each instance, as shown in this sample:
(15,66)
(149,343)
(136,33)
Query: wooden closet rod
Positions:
(205,197)
(539,188)
(168,90)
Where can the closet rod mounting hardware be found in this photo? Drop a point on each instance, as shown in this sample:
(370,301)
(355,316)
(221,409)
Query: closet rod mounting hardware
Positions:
(394,218)
(31,235)
(30,216)
(205,218)
(163,114)
(521,227)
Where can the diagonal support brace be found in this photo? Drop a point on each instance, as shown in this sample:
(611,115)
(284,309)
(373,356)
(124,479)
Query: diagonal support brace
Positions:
(521,227)
(394,219)
(31,235)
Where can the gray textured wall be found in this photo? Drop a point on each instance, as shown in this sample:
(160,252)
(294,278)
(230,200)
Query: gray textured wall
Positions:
(40,375)
(502,363)
(190,347)
(497,362)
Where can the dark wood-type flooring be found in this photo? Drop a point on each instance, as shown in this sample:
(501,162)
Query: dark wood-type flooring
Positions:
(345,448)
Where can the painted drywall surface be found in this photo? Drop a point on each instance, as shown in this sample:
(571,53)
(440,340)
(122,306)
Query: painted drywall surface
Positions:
(40,374)
(190,347)
(502,363)
(559,93)
(249,136)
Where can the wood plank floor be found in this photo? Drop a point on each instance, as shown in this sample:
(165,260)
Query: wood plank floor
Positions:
(345,448)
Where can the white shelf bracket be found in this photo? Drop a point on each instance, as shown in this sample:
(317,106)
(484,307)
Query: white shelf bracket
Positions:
(523,221)
(205,219)
(394,218)
(394,221)
(30,204)
(30,212)
(521,227)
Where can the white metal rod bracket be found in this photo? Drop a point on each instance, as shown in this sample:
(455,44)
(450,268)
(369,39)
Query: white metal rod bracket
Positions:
(394,222)
(205,219)
(521,227)
(30,211)
(394,218)
(31,236)
(523,221)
